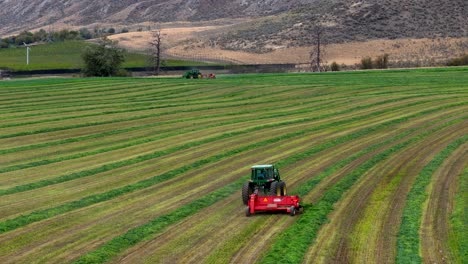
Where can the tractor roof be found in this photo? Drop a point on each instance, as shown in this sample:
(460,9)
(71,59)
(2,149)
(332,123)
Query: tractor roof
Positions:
(262,166)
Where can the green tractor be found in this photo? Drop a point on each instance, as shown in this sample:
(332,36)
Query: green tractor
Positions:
(266,179)
(192,74)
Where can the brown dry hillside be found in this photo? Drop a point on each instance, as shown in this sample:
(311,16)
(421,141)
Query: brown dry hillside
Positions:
(275,22)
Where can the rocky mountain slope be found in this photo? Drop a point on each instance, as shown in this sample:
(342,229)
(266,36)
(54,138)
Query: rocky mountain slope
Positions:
(274,22)
(353,21)
(17,14)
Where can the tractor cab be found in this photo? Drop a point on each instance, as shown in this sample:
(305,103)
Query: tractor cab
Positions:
(264,173)
(264,179)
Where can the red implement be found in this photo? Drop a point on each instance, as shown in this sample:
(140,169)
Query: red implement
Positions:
(289,204)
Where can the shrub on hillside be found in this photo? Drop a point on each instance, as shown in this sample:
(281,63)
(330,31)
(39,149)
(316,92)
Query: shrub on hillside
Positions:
(334,66)
(366,63)
(381,62)
(463,60)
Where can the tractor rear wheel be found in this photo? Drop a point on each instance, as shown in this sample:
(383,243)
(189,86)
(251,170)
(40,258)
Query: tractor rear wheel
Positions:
(282,186)
(247,190)
(275,189)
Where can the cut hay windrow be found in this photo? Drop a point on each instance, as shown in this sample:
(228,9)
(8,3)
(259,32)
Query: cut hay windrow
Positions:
(291,245)
(97,135)
(175,151)
(458,233)
(144,95)
(408,243)
(145,139)
(150,106)
(132,161)
(47,213)
(143,232)
(226,248)
(55,97)
(134,118)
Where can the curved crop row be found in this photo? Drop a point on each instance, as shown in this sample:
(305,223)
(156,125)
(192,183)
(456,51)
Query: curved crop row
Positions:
(43,214)
(458,233)
(139,234)
(164,188)
(111,166)
(293,243)
(408,237)
(211,105)
(144,139)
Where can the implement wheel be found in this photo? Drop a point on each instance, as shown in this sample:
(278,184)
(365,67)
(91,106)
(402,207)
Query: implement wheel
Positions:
(292,211)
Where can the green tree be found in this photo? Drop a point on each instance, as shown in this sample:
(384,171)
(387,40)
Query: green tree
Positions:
(85,33)
(24,37)
(40,35)
(4,44)
(103,59)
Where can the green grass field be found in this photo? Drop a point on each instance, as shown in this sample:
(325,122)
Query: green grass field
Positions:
(129,170)
(67,55)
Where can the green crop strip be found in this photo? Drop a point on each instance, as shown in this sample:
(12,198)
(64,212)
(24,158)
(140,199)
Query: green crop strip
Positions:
(72,140)
(107,100)
(408,237)
(90,124)
(292,244)
(211,107)
(133,142)
(100,107)
(364,87)
(143,140)
(119,164)
(104,101)
(306,187)
(53,99)
(146,231)
(149,107)
(143,232)
(458,233)
(17,222)
(169,94)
